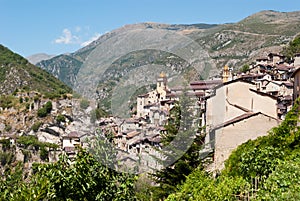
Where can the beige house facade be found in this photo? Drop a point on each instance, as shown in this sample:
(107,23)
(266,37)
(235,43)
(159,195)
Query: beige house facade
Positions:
(235,98)
(229,135)
(236,113)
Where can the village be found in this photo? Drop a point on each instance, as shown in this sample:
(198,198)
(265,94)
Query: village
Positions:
(232,108)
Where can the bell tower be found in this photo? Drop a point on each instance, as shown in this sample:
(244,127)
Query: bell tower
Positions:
(161,85)
(227,74)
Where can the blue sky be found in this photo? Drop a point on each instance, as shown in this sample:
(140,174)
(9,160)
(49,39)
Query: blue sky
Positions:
(60,26)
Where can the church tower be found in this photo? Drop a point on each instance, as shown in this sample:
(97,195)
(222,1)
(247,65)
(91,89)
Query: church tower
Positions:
(161,85)
(227,74)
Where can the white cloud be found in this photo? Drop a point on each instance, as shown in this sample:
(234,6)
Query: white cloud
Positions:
(67,38)
(95,37)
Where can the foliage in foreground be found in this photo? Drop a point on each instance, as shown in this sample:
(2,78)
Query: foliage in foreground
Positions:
(83,179)
(272,161)
(180,131)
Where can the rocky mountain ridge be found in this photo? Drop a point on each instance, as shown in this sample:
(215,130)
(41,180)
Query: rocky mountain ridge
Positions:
(36,58)
(17,73)
(141,48)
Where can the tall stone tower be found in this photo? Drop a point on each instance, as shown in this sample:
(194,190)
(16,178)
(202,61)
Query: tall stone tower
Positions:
(227,74)
(161,86)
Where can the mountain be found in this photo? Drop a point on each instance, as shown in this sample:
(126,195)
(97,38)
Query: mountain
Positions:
(34,59)
(128,55)
(17,73)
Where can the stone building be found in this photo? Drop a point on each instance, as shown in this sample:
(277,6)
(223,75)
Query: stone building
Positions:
(235,113)
(232,133)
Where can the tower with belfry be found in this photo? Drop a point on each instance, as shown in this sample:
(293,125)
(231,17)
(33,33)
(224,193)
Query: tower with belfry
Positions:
(227,74)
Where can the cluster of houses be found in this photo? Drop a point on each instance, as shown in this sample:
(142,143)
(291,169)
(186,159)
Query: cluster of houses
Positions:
(233,109)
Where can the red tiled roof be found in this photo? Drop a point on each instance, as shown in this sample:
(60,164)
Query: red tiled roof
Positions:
(132,120)
(207,82)
(72,134)
(132,134)
(262,59)
(239,118)
(155,139)
(143,95)
(263,94)
(284,67)
(236,119)
(151,105)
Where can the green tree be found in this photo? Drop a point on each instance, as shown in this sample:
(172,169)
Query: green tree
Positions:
(283,183)
(82,179)
(292,48)
(48,107)
(181,129)
(202,186)
(245,68)
(45,110)
(60,118)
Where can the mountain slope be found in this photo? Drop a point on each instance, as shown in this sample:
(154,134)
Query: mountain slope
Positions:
(36,58)
(196,50)
(17,73)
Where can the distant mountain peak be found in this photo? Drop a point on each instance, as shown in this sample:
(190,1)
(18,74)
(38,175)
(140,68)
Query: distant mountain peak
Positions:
(36,58)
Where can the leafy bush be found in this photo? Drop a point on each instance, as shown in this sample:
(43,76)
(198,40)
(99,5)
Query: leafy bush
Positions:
(45,110)
(200,186)
(60,118)
(42,112)
(283,183)
(292,48)
(35,127)
(5,144)
(48,106)
(83,179)
(6,158)
(7,101)
(7,128)
(97,114)
(44,154)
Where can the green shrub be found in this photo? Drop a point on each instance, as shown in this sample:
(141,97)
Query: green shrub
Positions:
(7,101)
(35,127)
(5,144)
(84,104)
(42,112)
(60,118)
(6,158)
(44,154)
(48,106)
(36,98)
(8,127)
(46,109)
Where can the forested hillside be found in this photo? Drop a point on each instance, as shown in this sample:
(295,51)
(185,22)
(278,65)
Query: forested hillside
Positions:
(17,73)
